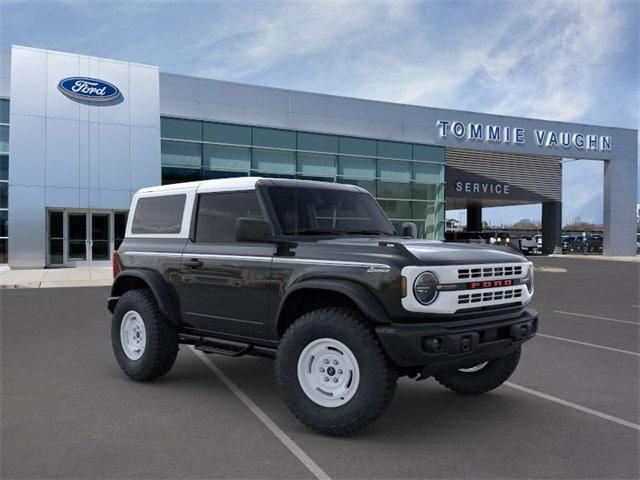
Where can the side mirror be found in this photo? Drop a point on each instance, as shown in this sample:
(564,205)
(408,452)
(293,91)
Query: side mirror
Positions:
(409,229)
(253,230)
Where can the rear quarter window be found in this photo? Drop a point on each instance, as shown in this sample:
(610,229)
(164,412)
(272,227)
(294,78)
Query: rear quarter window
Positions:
(159,215)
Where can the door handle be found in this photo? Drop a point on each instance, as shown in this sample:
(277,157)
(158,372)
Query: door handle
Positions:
(193,263)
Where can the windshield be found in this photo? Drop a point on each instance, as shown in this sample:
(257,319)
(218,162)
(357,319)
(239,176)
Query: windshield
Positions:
(325,211)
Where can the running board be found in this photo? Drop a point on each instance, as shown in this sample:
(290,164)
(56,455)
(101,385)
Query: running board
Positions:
(221,346)
(231,352)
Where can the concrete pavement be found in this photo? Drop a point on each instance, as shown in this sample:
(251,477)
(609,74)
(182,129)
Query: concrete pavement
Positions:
(56,277)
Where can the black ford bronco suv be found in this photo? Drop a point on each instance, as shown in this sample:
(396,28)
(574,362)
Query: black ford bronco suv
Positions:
(314,275)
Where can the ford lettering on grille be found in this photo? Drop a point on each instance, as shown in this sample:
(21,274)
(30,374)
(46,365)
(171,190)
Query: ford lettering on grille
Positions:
(490,284)
(88,89)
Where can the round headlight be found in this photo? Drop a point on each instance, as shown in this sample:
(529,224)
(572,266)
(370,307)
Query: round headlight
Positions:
(425,288)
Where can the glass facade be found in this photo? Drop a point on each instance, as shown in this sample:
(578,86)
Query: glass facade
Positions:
(407,179)
(4,181)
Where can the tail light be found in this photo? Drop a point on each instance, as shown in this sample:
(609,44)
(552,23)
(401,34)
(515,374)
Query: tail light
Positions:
(115,263)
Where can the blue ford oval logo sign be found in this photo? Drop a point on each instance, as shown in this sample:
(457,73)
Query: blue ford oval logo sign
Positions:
(89,89)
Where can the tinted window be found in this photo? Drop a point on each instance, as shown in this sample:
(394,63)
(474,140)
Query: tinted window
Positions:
(318,211)
(218,212)
(159,214)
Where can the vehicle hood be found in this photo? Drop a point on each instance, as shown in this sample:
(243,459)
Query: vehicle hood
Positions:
(434,252)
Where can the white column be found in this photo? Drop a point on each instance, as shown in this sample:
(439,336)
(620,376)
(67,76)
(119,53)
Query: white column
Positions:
(620,199)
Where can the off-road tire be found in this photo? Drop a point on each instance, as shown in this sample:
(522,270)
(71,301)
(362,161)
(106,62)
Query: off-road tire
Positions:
(161,346)
(378,376)
(494,374)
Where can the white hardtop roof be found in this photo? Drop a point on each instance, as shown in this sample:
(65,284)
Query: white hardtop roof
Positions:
(216,185)
(236,183)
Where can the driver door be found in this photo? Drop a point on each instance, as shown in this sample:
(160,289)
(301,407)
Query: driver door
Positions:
(226,285)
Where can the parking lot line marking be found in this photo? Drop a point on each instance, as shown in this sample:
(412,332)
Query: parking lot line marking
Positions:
(596,317)
(562,339)
(264,418)
(575,406)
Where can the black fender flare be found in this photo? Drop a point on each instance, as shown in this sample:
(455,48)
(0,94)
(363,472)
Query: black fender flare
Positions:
(164,294)
(364,299)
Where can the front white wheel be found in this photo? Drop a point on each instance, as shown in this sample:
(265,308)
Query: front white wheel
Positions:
(332,371)
(328,372)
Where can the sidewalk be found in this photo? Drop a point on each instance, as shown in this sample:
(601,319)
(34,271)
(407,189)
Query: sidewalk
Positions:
(635,259)
(56,277)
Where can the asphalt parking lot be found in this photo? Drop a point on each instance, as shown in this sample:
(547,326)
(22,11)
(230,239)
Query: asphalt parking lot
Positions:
(571,409)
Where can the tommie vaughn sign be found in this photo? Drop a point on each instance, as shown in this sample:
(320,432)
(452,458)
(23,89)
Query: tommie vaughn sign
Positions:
(478,132)
(88,89)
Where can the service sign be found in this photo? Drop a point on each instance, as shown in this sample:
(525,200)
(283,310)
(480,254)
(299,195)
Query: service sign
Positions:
(88,89)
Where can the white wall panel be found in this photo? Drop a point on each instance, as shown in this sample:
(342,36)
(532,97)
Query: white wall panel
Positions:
(28,81)
(27,140)
(62,197)
(341,107)
(115,160)
(271,118)
(94,155)
(115,199)
(265,98)
(144,97)
(223,113)
(5,64)
(5,73)
(178,107)
(303,121)
(62,167)
(179,87)
(310,103)
(84,164)
(145,155)
(27,241)
(223,93)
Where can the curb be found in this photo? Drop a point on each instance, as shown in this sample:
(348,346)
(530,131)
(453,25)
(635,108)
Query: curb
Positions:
(59,284)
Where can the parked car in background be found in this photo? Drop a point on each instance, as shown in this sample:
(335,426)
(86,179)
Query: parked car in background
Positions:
(527,245)
(485,237)
(582,244)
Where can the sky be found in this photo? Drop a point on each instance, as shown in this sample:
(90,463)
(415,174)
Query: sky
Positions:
(558,60)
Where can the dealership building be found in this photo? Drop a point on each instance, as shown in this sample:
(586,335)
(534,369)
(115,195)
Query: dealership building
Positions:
(79,135)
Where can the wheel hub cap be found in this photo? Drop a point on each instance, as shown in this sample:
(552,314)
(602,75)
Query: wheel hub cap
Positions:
(328,372)
(133,335)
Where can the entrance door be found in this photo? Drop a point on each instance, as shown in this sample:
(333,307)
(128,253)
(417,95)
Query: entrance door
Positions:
(81,238)
(100,238)
(77,240)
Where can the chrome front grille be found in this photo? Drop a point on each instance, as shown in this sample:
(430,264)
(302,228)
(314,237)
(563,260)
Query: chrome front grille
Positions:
(502,271)
(490,296)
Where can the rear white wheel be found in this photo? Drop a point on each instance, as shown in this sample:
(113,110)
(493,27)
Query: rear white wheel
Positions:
(144,341)
(133,335)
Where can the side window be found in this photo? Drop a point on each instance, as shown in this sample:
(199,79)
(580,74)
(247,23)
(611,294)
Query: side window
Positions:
(218,212)
(159,215)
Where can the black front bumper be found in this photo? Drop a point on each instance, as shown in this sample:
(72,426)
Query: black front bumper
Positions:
(442,346)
